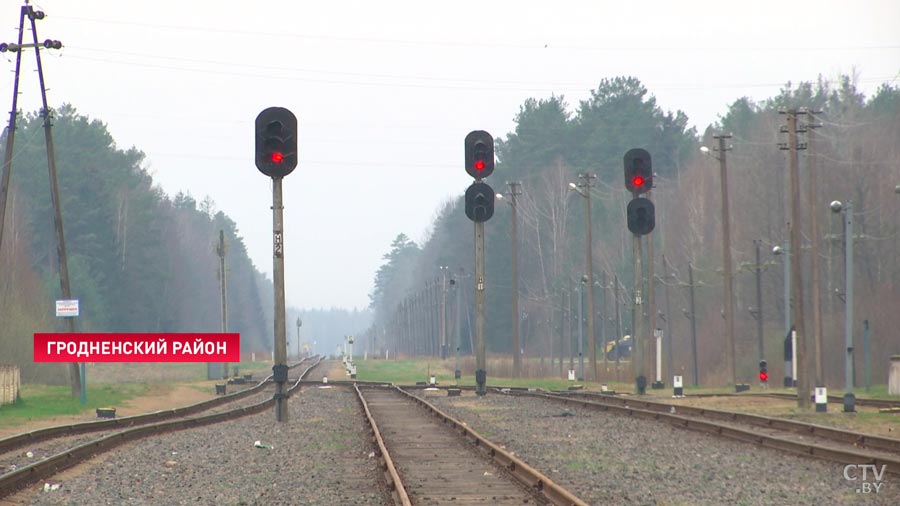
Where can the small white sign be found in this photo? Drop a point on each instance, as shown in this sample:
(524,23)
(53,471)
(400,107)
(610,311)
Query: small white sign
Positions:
(571,374)
(821,395)
(677,381)
(67,308)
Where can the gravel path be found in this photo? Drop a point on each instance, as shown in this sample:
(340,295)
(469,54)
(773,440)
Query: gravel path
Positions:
(609,459)
(320,456)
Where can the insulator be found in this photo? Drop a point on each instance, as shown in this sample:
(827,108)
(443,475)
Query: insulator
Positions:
(52,44)
(4,47)
(37,15)
(14,47)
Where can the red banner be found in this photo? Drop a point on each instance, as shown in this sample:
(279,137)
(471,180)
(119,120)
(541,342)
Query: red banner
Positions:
(112,347)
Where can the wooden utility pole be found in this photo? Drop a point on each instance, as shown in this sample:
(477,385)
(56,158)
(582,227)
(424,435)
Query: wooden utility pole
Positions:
(727,271)
(803,387)
(814,211)
(27,11)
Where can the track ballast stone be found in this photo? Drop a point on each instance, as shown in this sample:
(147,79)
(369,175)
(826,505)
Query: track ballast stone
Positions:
(320,456)
(606,458)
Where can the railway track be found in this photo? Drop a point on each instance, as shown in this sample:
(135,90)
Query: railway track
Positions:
(431,458)
(796,437)
(125,430)
(832,399)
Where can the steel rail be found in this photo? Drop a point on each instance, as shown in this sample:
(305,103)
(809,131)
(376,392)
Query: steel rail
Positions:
(679,420)
(881,443)
(394,482)
(39,435)
(15,480)
(520,470)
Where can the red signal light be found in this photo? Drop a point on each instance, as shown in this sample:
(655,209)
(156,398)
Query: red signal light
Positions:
(637,181)
(277,157)
(479,165)
(763,376)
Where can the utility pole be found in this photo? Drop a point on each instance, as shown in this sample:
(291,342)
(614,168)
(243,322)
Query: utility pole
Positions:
(581,329)
(666,277)
(759,308)
(515,191)
(570,319)
(220,251)
(726,260)
(637,318)
(814,241)
(457,373)
(586,184)
(480,363)
(650,359)
(11,128)
(562,328)
(618,323)
(693,316)
(803,390)
(602,316)
(444,270)
(27,11)
(849,398)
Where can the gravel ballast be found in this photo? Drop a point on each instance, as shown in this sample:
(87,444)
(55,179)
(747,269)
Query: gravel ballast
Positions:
(320,456)
(613,459)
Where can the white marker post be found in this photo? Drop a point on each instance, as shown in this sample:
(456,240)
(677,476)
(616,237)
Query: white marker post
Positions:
(679,390)
(821,399)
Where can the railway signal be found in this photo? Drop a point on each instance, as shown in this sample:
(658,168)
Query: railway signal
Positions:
(763,373)
(638,171)
(479,202)
(479,154)
(641,216)
(276,142)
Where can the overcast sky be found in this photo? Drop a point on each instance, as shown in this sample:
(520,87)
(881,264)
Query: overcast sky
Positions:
(386,91)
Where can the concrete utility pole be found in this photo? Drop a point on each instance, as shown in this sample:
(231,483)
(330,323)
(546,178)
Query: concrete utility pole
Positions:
(27,11)
(280,368)
(726,261)
(849,398)
(601,314)
(670,369)
(585,183)
(444,270)
(581,328)
(220,251)
(457,373)
(651,358)
(759,308)
(515,191)
(814,211)
(637,319)
(693,317)
(480,362)
(618,323)
(803,387)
